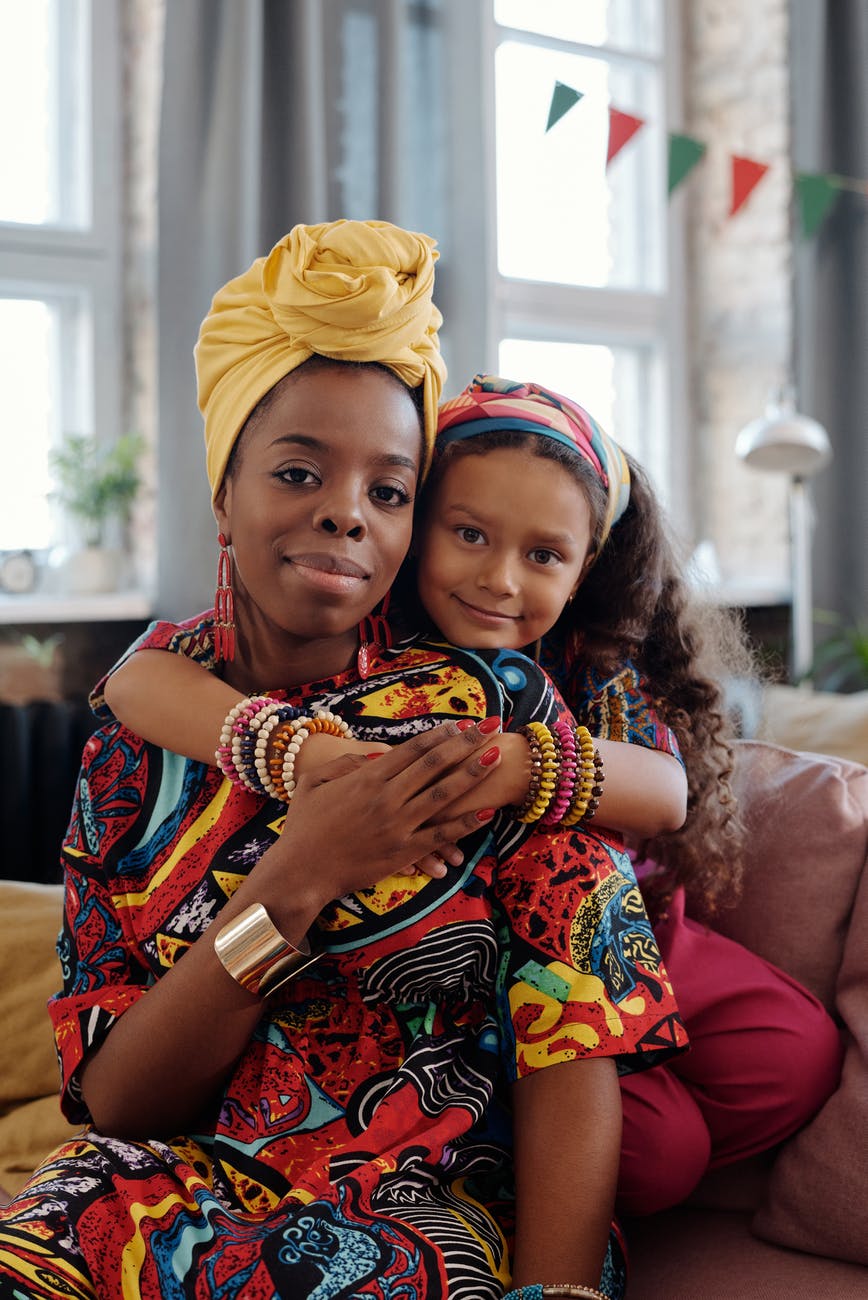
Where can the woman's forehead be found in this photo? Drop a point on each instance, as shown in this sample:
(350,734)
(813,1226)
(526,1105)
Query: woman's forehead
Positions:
(340,409)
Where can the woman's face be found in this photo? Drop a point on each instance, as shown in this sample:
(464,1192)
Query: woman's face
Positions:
(318,506)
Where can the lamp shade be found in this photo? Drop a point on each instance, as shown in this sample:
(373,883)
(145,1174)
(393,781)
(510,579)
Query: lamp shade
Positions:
(785,442)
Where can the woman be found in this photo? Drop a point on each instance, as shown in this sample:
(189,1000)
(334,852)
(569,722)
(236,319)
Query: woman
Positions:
(265,1122)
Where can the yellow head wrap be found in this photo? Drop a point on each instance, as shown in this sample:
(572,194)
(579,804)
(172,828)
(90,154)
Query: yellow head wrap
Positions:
(347,290)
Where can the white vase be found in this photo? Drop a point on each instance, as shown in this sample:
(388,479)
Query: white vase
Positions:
(92,570)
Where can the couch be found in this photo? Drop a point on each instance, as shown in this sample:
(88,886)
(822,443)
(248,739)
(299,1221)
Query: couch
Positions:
(793,1224)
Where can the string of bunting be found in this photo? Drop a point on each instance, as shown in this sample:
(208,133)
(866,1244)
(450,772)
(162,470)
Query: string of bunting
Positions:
(815,191)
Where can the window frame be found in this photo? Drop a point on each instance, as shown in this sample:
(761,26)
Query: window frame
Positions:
(57,262)
(504,307)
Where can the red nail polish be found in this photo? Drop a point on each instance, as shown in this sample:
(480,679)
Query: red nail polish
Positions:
(485,814)
(465,724)
(373,755)
(489,757)
(489,724)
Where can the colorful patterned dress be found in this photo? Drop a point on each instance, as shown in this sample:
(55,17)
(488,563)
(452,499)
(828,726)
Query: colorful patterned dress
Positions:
(361,1147)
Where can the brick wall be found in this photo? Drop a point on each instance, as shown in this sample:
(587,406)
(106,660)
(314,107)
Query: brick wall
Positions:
(740,273)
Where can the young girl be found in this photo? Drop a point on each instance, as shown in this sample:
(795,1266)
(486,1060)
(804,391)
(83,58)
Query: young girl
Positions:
(533,528)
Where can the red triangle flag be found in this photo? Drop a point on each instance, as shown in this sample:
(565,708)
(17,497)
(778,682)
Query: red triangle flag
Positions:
(622,127)
(746,175)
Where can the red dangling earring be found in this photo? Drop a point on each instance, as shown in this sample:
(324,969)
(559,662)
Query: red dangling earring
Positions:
(224,606)
(375,635)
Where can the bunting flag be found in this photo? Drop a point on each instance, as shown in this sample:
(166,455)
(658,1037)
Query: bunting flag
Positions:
(746,175)
(622,127)
(815,191)
(816,194)
(563,99)
(684,153)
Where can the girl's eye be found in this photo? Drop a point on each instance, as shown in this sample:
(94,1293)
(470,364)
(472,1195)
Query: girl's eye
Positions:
(471,535)
(541,556)
(391,495)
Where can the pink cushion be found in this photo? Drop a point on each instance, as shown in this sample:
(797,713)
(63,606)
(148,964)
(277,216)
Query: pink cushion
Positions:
(689,1254)
(806,820)
(805,908)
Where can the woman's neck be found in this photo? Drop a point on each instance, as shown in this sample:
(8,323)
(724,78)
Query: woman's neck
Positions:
(272,662)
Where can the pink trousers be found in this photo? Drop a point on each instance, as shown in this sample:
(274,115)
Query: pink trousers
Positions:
(764,1055)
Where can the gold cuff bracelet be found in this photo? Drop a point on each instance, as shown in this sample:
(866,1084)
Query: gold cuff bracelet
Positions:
(254,952)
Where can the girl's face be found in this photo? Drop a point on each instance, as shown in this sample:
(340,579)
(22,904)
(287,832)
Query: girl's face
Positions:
(503,548)
(318,505)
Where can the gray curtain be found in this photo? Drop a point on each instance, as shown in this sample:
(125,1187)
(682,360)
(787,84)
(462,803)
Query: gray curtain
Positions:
(830,135)
(275,112)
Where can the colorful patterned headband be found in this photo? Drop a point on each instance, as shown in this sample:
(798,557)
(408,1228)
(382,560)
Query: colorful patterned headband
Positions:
(490,404)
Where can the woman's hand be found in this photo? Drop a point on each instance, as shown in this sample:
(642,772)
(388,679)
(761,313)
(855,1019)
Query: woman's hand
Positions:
(353,822)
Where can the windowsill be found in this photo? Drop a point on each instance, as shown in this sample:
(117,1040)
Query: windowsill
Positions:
(103,608)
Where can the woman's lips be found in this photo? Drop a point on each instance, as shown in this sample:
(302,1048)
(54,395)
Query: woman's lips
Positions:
(329,572)
(485,617)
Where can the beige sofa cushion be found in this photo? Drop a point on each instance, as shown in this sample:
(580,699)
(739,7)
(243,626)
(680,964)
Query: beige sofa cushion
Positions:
(805,908)
(30,1120)
(817,721)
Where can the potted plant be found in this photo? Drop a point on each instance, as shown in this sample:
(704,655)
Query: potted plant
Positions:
(841,661)
(96,485)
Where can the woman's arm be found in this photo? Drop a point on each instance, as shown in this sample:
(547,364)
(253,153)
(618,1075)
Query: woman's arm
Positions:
(567,1143)
(165,1058)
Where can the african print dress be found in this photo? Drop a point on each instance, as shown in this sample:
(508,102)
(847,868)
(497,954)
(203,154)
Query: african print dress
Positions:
(361,1147)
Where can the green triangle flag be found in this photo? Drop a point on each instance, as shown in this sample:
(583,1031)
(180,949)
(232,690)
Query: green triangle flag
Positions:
(684,153)
(563,99)
(816,195)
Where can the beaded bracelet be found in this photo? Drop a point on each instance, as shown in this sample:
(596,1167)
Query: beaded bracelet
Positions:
(235,726)
(585,779)
(548,771)
(535,774)
(539,1291)
(597,788)
(566,743)
(323,720)
(248,750)
(256,736)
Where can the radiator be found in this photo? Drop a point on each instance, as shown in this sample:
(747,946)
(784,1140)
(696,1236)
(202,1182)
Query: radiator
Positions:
(40,752)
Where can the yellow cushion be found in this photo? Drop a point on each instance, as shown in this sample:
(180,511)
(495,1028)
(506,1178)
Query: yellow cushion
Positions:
(28,1133)
(29,975)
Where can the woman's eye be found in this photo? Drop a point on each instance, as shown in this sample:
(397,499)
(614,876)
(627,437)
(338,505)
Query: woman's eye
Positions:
(391,495)
(471,535)
(541,556)
(297,474)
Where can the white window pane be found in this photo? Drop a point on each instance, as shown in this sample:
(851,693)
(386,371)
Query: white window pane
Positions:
(29,381)
(46,360)
(44,110)
(562,216)
(615,384)
(629,24)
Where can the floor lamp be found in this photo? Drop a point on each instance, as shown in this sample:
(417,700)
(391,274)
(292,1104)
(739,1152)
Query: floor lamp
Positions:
(785,442)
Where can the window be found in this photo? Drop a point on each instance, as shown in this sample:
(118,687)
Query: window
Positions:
(60,350)
(580,258)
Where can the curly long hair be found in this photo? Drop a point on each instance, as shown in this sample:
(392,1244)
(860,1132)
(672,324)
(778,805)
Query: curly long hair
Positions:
(636,605)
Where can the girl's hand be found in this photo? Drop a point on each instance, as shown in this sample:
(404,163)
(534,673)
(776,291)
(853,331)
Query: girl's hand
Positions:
(354,822)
